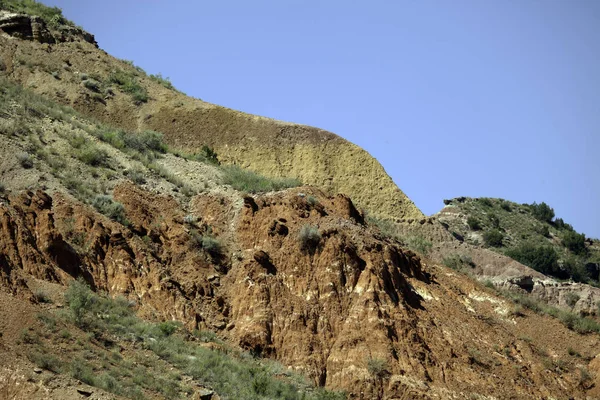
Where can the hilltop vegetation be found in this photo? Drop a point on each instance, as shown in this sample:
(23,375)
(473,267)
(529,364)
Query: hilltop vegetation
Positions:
(528,233)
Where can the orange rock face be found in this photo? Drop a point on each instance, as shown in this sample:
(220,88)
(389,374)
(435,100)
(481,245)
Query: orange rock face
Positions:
(296,276)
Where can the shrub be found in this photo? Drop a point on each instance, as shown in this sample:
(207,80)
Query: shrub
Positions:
(41,296)
(543,230)
(79,297)
(575,268)
(2,188)
(458,261)
(473,223)
(493,238)
(419,244)
(25,160)
(562,225)
(92,85)
(494,220)
(211,245)
(377,367)
(574,241)
(541,258)
(571,299)
(136,175)
(207,155)
(92,155)
(486,201)
(505,205)
(166,82)
(145,141)
(251,182)
(128,83)
(542,211)
(112,209)
(309,237)
(168,327)
(46,361)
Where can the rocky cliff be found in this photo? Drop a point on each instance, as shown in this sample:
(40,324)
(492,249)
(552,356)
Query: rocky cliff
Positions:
(350,309)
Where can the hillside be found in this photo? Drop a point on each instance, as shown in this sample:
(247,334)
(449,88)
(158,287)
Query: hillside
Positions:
(137,262)
(529,233)
(69,68)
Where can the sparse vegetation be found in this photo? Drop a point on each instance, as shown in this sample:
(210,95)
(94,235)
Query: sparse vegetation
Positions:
(92,155)
(206,155)
(493,238)
(473,223)
(377,367)
(233,374)
(571,320)
(128,83)
(542,212)
(541,258)
(41,296)
(112,209)
(575,242)
(309,237)
(458,261)
(166,82)
(25,160)
(251,182)
(418,244)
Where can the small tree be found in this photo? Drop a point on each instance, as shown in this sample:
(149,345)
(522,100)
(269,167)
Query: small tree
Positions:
(542,211)
(574,241)
(493,238)
(473,223)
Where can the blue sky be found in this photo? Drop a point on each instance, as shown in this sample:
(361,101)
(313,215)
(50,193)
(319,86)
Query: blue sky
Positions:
(496,98)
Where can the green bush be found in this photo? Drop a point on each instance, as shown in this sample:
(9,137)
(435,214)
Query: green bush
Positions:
(166,82)
(486,201)
(493,238)
(25,160)
(505,205)
(145,141)
(92,155)
(212,245)
(473,223)
(206,155)
(575,242)
(128,83)
(539,257)
(377,367)
(309,237)
(112,209)
(458,261)
(419,244)
(562,225)
(251,182)
(542,212)
(494,220)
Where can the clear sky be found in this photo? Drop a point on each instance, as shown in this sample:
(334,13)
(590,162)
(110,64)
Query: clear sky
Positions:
(496,98)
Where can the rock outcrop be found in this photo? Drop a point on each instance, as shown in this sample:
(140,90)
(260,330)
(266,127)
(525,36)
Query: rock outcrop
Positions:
(351,310)
(30,27)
